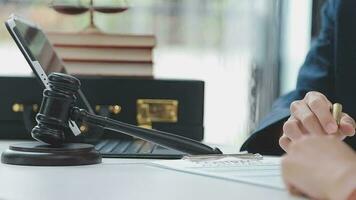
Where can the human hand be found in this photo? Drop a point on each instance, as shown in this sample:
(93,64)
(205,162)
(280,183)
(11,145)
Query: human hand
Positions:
(312,115)
(320,168)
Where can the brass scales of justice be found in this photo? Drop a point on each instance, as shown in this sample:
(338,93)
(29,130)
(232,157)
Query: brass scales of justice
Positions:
(64,7)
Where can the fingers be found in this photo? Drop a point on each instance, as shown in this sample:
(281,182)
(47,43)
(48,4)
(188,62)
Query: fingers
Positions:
(291,129)
(320,106)
(347,125)
(312,115)
(284,142)
(301,111)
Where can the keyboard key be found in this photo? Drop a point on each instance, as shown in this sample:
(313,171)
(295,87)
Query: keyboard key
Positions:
(109,146)
(134,147)
(101,144)
(147,148)
(120,149)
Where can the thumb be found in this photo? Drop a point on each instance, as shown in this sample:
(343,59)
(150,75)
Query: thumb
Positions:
(347,125)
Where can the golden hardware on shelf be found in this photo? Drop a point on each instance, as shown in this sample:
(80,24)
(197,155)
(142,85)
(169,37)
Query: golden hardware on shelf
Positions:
(156,110)
(84,128)
(113,109)
(97,108)
(35,107)
(16,107)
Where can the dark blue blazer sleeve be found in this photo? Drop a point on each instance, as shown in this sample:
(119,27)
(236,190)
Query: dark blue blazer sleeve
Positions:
(316,74)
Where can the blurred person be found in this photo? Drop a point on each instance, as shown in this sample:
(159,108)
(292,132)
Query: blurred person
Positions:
(327,75)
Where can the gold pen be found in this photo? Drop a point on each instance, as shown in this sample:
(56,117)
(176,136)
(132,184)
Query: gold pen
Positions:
(336,111)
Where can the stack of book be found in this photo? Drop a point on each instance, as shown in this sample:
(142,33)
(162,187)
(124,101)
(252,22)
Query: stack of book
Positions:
(102,54)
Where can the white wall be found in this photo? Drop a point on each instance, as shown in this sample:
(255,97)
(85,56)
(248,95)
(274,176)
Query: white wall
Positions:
(296,33)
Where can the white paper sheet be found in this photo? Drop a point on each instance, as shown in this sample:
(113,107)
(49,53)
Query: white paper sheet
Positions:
(263,172)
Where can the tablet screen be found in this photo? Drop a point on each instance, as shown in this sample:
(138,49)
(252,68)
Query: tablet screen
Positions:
(39,47)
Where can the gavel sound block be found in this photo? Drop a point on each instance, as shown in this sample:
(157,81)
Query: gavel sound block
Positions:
(52,119)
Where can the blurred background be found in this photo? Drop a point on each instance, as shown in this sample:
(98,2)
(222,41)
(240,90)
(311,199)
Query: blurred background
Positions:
(248,52)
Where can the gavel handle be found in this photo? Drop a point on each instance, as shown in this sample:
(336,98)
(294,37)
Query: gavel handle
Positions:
(164,139)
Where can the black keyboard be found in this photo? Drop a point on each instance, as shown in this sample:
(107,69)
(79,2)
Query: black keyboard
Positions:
(135,148)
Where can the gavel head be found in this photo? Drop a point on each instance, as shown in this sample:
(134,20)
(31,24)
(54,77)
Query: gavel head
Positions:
(58,99)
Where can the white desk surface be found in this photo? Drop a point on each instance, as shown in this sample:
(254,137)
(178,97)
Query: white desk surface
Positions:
(122,179)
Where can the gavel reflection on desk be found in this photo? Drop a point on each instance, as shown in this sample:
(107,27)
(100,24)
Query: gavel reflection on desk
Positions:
(58,108)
